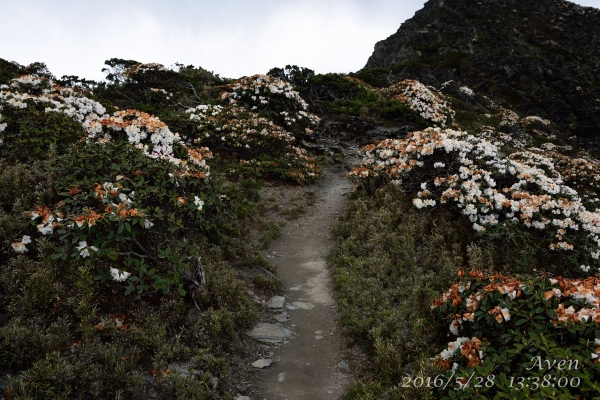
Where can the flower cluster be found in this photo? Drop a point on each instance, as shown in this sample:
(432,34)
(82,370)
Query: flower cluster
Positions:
(260,88)
(567,301)
(509,118)
(84,249)
(114,204)
(143,130)
(466,91)
(585,290)
(153,138)
(142,69)
(21,247)
(430,105)
(487,186)
(236,127)
(261,92)
(55,98)
(471,349)
(252,136)
(119,275)
(533,120)
(502,323)
(582,173)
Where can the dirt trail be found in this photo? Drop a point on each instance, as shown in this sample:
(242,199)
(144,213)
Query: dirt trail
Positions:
(307,366)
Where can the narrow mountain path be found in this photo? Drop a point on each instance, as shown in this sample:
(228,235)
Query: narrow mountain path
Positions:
(309,364)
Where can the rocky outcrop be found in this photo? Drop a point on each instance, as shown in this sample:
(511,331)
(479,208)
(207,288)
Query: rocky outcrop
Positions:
(538,57)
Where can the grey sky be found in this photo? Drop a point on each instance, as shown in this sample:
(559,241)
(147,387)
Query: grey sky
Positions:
(230,37)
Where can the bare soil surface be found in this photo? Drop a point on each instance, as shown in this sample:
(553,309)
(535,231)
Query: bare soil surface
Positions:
(308,365)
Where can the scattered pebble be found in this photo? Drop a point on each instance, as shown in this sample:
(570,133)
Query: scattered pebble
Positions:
(344,366)
(262,363)
(319,337)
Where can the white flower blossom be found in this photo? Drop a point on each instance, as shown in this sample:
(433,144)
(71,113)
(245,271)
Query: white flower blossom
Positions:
(119,275)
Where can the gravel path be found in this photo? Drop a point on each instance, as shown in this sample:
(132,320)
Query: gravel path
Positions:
(309,364)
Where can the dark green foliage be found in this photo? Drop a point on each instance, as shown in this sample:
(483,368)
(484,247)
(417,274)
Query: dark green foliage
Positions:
(64,332)
(376,77)
(513,97)
(157,90)
(31,133)
(9,70)
(330,87)
(297,76)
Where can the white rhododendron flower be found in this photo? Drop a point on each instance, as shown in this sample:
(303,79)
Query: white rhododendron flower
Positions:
(20,247)
(199,203)
(84,249)
(119,275)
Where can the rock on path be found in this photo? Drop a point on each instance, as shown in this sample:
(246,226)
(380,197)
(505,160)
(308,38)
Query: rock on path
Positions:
(269,333)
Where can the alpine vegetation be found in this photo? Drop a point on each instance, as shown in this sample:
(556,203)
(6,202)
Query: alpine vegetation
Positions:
(123,207)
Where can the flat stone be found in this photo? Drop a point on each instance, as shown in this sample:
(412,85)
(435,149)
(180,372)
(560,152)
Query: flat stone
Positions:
(291,307)
(276,302)
(240,397)
(319,337)
(295,288)
(281,317)
(262,363)
(269,333)
(302,305)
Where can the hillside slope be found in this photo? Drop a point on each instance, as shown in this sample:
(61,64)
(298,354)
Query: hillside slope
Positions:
(537,57)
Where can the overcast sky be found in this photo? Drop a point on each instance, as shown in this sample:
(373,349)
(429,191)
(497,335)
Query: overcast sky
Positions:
(230,37)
